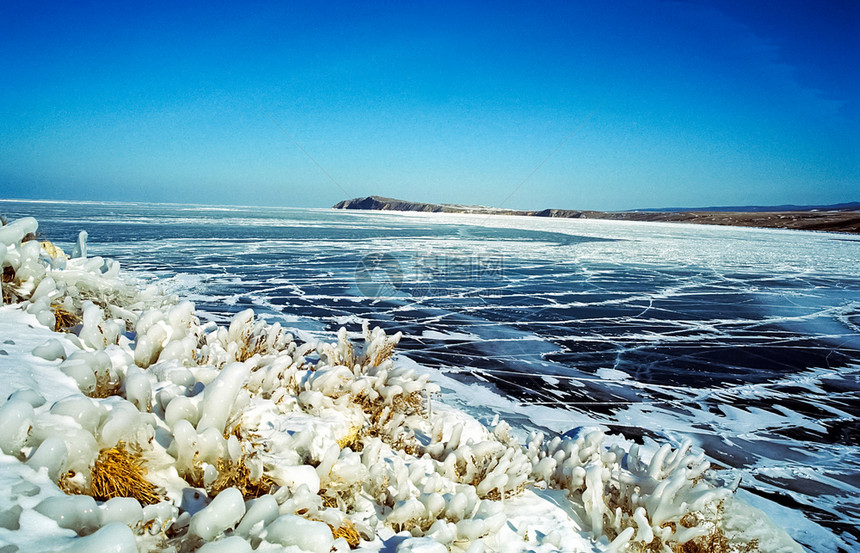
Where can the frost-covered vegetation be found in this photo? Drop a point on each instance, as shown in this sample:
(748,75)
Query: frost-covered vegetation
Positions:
(182,436)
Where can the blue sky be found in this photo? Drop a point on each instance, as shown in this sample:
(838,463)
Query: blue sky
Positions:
(618,105)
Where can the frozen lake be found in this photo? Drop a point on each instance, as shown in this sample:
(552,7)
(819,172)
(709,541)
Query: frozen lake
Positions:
(745,340)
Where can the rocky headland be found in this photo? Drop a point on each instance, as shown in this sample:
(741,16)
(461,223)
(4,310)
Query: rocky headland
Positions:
(833,218)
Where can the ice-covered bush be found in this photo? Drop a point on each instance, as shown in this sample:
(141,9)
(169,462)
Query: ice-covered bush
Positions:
(647,503)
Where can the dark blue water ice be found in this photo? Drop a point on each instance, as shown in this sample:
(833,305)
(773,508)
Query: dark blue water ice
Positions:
(746,340)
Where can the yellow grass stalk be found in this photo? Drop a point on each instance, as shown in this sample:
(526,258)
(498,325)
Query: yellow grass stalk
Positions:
(119,472)
(238,475)
(64,319)
(348,532)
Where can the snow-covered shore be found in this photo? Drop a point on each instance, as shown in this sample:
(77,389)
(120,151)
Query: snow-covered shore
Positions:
(131,426)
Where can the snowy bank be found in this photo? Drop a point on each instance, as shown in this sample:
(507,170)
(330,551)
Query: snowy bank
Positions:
(131,426)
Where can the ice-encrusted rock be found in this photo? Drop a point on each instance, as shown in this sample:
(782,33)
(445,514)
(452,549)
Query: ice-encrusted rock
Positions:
(308,535)
(50,350)
(28,395)
(220,395)
(86,412)
(115,537)
(123,421)
(17,416)
(138,388)
(232,544)
(262,512)
(181,408)
(15,231)
(126,510)
(80,249)
(52,454)
(421,545)
(222,514)
(75,512)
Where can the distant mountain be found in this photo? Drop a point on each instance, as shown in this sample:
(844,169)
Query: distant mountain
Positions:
(850,206)
(834,218)
(381,203)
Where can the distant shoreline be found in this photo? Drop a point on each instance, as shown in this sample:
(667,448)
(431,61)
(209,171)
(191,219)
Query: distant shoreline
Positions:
(820,219)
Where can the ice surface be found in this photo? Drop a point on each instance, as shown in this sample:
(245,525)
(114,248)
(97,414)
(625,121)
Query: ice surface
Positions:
(533,350)
(181,408)
(138,388)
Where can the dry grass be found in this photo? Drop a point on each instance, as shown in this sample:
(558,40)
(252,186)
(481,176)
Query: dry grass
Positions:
(232,475)
(372,408)
(494,495)
(329,500)
(417,526)
(411,404)
(237,475)
(105,387)
(484,469)
(64,319)
(53,250)
(408,445)
(348,360)
(384,353)
(378,416)
(348,532)
(339,495)
(715,541)
(69,486)
(120,472)
(8,282)
(352,440)
(253,344)
(691,520)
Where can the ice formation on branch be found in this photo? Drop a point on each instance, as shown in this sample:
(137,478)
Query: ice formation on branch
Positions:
(189,436)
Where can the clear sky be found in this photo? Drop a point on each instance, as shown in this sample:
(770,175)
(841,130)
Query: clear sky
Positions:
(568,104)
